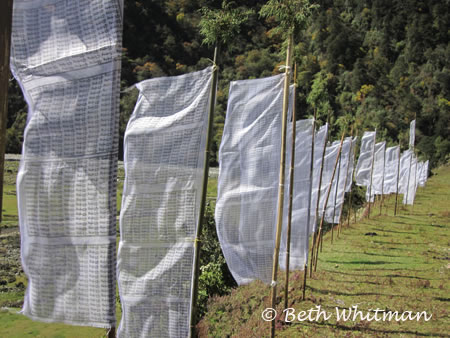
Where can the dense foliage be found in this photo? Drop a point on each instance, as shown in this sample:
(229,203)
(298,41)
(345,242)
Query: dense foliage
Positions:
(378,63)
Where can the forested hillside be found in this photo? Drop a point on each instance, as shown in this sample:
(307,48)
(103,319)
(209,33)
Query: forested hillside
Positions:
(376,63)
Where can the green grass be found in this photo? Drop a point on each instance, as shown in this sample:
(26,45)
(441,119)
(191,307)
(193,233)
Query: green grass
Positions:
(404,267)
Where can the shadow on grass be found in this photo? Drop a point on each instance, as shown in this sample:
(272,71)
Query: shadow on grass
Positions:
(363,262)
(397,232)
(340,293)
(368,329)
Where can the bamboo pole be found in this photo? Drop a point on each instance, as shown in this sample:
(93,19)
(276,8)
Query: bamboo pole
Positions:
(371,172)
(319,235)
(350,199)
(329,134)
(111,333)
(335,197)
(398,178)
(313,246)
(212,101)
(305,269)
(382,181)
(281,179)
(5,47)
(291,189)
(409,174)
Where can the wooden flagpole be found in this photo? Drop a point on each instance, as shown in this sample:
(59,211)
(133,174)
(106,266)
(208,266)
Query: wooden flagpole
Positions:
(200,217)
(317,204)
(6,7)
(276,251)
(319,235)
(371,172)
(329,134)
(335,197)
(311,169)
(382,181)
(291,189)
(398,178)
(409,174)
(350,199)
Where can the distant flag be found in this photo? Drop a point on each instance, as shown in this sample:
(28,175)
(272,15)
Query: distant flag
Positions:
(391,169)
(364,165)
(412,133)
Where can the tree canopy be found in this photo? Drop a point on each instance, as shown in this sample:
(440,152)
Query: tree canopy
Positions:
(379,63)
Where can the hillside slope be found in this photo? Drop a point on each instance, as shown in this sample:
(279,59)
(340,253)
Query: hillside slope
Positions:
(402,266)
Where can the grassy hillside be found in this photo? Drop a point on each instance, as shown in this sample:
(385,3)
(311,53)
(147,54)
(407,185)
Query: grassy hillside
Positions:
(403,266)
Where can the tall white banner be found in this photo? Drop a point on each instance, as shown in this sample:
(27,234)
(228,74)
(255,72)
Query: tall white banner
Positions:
(412,133)
(301,197)
(249,161)
(164,157)
(423,174)
(405,166)
(66,57)
(336,200)
(364,165)
(410,195)
(351,166)
(391,169)
(329,162)
(378,172)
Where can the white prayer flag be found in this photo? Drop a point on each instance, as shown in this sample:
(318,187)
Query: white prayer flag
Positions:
(364,165)
(329,162)
(301,196)
(336,199)
(164,158)
(409,196)
(351,166)
(66,57)
(249,161)
(412,133)
(378,171)
(391,169)
(405,164)
(423,174)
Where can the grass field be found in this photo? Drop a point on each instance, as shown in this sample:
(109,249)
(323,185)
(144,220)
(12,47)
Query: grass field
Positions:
(404,267)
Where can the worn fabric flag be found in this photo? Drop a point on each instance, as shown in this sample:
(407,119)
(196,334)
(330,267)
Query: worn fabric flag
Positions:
(249,161)
(412,133)
(378,172)
(364,165)
(329,162)
(351,165)
(409,196)
(391,169)
(164,158)
(66,57)
(336,199)
(423,174)
(405,164)
(320,140)
(301,198)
